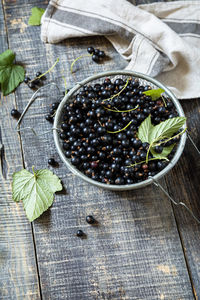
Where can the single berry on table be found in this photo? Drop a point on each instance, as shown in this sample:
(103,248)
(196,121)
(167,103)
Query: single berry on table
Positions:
(52,162)
(80,233)
(90,220)
(15,113)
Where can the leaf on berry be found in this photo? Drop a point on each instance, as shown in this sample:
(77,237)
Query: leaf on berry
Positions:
(163,155)
(11,75)
(166,129)
(36,190)
(35,18)
(145,129)
(154,94)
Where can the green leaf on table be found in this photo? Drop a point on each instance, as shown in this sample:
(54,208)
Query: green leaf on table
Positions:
(145,129)
(35,18)
(154,94)
(163,155)
(11,75)
(166,129)
(36,190)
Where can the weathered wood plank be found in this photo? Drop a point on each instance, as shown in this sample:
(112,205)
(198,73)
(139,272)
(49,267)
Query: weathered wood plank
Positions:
(183,185)
(18,272)
(135,252)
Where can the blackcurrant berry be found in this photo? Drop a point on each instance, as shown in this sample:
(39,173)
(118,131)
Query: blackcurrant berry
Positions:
(26,79)
(38,74)
(90,219)
(15,113)
(95,58)
(90,50)
(80,233)
(52,162)
(49,118)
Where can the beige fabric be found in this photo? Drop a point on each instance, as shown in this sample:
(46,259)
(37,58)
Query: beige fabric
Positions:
(159,39)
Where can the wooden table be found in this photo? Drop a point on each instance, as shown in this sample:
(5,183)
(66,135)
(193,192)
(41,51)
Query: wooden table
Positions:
(143,248)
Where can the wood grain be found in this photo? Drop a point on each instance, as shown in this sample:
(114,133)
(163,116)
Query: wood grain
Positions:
(183,185)
(18,272)
(135,251)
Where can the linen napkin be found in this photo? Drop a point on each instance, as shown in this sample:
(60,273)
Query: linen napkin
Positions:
(161,39)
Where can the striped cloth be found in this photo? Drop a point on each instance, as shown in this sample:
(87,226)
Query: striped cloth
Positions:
(161,39)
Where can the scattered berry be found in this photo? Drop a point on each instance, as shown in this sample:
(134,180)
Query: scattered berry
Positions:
(52,162)
(90,219)
(15,113)
(80,233)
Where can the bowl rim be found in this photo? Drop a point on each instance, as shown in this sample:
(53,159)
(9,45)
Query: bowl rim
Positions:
(112,186)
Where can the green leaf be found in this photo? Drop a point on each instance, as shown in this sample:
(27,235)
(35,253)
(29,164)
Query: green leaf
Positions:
(163,155)
(35,18)
(6,58)
(154,94)
(166,129)
(11,75)
(35,190)
(145,129)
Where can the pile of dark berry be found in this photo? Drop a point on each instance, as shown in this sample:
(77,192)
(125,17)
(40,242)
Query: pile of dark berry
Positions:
(104,156)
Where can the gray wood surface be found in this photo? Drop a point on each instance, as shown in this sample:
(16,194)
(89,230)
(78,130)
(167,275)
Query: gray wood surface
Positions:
(18,272)
(186,176)
(140,248)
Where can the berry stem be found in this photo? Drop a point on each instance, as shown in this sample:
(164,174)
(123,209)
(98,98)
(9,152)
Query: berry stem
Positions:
(121,129)
(65,82)
(165,141)
(163,99)
(122,111)
(117,93)
(49,70)
(144,161)
(81,56)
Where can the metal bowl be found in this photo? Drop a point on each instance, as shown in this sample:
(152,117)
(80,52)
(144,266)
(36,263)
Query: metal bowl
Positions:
(143,79)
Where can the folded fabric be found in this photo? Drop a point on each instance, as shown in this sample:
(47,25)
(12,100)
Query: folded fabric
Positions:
(161,39)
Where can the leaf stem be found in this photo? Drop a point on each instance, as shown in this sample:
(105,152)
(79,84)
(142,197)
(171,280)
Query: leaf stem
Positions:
(81,56)
(49,70)
(34,173)
(121,111)
(120,129)
(147,156)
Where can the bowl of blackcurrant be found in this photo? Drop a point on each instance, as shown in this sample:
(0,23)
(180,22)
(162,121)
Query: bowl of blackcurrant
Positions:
(120,130)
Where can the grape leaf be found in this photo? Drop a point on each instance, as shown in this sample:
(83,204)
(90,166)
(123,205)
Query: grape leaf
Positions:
(145,130)
(36,190)
(163,155)
(154,94)
(11,75)
(166,129)
(35,18)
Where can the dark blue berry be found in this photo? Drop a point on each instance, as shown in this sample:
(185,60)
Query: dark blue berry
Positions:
(90,219)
